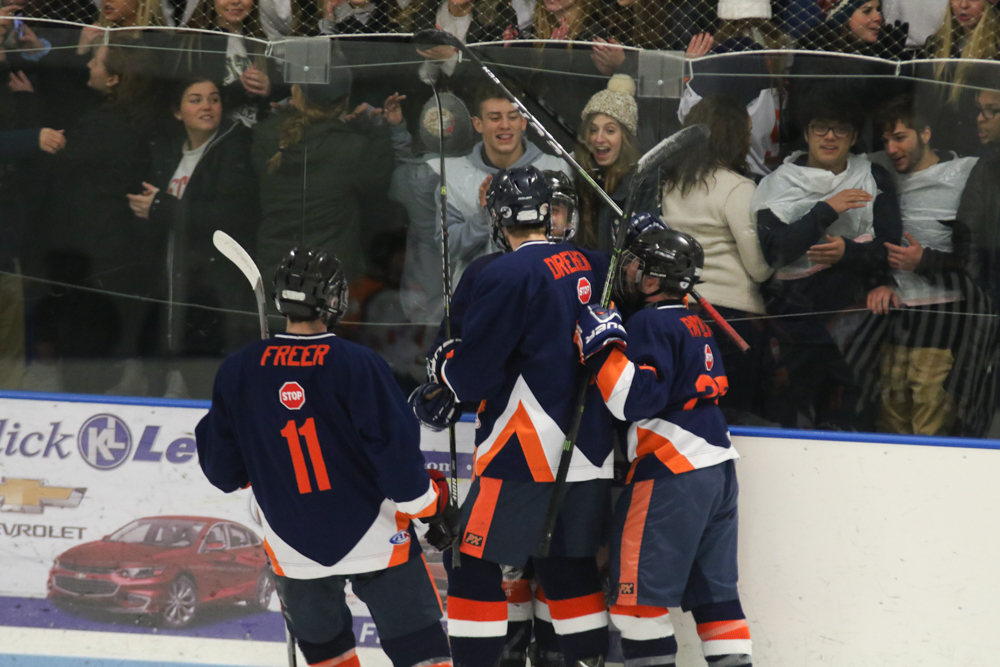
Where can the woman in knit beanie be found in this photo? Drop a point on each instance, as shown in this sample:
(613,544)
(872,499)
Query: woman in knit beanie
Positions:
(607,150)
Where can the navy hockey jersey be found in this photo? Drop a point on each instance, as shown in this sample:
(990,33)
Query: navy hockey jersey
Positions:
(462,296)
(320,429)
(517,356)
(667,385)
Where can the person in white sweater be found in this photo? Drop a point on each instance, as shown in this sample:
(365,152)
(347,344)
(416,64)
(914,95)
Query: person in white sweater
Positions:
(707,195)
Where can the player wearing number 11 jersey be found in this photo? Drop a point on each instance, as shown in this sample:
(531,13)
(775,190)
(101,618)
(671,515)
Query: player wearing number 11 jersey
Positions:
(318,426)
(674,538)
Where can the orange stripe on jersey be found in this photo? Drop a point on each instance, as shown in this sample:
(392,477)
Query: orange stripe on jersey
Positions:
(430,575)
(564,610)
(275,566)
(639,611)
(520,424)
(517,591)
(347,659)
(478,528)
(400,552)
(308,431)
(613,367)
(651,442)
(719,630)
(462,609)
(635,524)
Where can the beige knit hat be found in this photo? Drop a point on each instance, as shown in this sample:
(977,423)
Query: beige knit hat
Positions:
(733,10)
(617,101)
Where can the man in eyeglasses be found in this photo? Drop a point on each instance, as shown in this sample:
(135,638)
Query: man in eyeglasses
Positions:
(980,205)
(823,219)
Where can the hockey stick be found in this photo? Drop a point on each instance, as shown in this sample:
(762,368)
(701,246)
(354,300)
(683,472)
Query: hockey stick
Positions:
(675,143)
(647,164)
(235,253)
(446,284)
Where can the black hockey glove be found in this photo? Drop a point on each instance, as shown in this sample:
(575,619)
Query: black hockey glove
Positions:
(436,361)
(443,526)
(435,406)
(442,529)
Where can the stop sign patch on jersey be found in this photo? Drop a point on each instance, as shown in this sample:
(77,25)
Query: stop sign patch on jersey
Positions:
(292,395)
(709,358)
(583,290)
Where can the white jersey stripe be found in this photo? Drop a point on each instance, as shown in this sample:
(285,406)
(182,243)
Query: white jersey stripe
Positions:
(643,629)
(372,552)
(698,451)
(727,647)
(460,628)
(420,503)
(570,626)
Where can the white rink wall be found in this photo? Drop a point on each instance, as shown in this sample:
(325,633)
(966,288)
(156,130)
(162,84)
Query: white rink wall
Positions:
(852,553)
(859,554)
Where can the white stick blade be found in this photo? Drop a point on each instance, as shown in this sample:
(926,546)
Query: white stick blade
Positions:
(675,143)
(235,253)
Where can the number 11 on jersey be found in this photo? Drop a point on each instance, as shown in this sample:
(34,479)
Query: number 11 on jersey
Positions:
(307,431)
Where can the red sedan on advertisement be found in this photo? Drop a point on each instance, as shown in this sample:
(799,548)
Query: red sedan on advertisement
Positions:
(168,566)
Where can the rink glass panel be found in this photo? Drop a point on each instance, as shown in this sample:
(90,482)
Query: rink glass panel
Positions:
(98,301)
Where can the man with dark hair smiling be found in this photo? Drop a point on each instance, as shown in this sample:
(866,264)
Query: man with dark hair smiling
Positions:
(503,146)
(931,335)
(823,219)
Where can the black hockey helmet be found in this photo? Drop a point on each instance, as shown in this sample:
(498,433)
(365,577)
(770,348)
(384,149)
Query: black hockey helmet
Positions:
(564,206)
(673,257)
(518,197)
(309,285)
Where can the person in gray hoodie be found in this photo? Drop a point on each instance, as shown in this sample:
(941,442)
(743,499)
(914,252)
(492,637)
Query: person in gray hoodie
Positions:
(503,146)
(415,182)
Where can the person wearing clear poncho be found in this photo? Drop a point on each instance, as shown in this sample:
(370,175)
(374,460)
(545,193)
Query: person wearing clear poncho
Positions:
(929,349)
(823,219)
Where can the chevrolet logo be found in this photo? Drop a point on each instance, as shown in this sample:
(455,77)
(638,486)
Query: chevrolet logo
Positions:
(30,496)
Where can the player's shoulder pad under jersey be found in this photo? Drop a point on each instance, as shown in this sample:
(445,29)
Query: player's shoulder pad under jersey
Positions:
(477,266)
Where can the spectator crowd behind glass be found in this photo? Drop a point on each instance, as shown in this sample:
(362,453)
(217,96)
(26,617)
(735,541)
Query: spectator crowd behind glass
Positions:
(847,202)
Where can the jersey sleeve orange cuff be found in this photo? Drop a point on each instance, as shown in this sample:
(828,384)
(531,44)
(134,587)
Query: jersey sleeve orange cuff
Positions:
(422,506)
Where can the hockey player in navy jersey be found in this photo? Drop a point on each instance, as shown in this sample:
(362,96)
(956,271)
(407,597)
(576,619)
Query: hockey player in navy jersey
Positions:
(528,616)
(516,357)
(318,426)
(674,538)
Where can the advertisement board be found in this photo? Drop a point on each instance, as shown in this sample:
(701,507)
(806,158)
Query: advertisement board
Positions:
(107,523)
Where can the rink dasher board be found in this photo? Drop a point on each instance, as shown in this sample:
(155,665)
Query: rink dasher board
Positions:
(855,549)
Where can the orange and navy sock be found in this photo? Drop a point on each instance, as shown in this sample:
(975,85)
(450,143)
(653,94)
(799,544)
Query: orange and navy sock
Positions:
(576,604)
(477,611)
(427,647)
(519,620)
(647,634)
(546,650)
(725,635)
(338,652)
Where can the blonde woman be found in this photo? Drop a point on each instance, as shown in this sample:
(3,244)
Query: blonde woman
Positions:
(121,14)
(572,20)
(970,32)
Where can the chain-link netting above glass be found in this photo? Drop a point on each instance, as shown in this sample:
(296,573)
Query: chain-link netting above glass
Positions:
(125,143)
(893,29)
